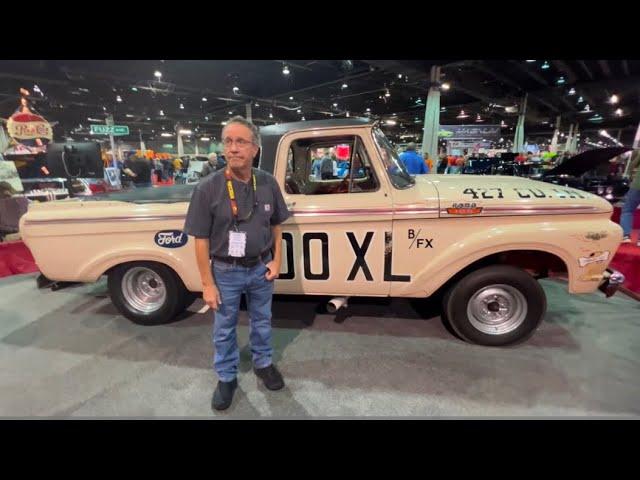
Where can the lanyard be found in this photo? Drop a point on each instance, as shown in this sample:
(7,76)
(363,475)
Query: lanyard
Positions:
(232,197)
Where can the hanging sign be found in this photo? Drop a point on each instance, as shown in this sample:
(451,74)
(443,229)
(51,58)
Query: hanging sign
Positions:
(28,126)
(457,132)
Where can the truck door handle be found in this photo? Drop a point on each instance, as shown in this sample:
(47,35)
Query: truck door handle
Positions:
(291,204)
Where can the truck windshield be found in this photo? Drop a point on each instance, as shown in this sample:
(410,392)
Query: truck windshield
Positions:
(396,170)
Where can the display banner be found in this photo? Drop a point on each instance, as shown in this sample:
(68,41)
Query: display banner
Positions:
(459,132)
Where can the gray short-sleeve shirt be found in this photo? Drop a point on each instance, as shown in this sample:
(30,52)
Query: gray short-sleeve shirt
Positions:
(209,214)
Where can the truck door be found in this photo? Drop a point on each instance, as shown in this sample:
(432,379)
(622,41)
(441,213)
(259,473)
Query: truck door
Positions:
(342,211)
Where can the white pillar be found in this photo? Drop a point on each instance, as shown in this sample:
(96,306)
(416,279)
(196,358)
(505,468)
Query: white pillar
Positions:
(554,141)
(432,120)
(143,149)
(113,144)
(247,109)
(197,152)
(179,141)
(567,145)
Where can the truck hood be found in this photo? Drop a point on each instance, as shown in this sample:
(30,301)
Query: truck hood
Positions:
(482,195)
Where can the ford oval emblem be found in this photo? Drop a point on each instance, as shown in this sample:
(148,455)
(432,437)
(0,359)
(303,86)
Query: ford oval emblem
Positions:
(171,239)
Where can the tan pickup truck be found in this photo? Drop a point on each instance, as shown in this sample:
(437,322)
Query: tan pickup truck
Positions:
(365,229)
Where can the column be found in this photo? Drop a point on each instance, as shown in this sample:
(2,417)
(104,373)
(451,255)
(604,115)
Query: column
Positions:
(432,119)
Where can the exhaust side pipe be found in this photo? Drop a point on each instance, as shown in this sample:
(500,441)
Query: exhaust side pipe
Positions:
(336,304)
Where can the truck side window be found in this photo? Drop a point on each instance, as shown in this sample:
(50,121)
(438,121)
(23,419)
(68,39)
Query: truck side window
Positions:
(329,165)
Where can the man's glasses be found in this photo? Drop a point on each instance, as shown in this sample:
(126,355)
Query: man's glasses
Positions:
(241,142)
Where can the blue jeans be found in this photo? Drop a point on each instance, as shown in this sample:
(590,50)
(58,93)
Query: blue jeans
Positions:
(631,202)
(232,281)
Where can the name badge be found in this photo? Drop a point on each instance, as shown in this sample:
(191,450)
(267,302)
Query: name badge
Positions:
(237,243)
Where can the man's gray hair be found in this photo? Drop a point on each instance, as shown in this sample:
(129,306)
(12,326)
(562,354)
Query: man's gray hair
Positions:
(243,121)
(411,146)
(212,154)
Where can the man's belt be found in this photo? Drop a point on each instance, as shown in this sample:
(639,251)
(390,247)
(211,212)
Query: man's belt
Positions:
(244,261)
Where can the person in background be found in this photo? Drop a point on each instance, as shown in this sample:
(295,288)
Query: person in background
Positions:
(177,168)
(428,162)
(139,170)
(632,199)
(413,162)
(521,158)
(211,165)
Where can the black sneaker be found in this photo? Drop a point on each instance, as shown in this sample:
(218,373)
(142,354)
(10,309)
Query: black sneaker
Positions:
(223,395)
(270,376)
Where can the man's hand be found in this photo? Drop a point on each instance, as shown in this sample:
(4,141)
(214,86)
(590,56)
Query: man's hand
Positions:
(211,296)
(273,270)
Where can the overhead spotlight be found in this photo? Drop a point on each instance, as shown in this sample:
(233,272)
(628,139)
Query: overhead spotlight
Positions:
(148,119)
(271,115)
(387,93)
(166,134)
(399,75)
(223,123)
(560,81)
(134,89)
(368,109)
(344,85)
(230,113)
(128,115)
(181,107)
(572,91)
(184,132)
(285,70)
(335,104)
(390,122)
(462,114)
(290,98)
(119,99)
(443,109)
(298,111)
(445,86)
(236,90)
(256,104)
(104,108)
(614,99)
(587,108)
(161,113)
(479,118)
(580,99)
(530,61)
(205,139)
(303,119)
(158,74)
(204,99)
(347,114)
(206,118)
(545,65)
(619,112)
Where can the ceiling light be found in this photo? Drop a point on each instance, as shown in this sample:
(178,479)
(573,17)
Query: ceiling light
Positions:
(236,90)
(161,113)
(614,99)
(223,123)
(443,109)
(572,91)
(298,111)
(119,99)
(619,112)
(545,65)
(285,70)
(256,104)
(181,107)
(399,75)
(530,61)
(148,118)
(445,86)
(387,93)
(390,122)
(271,115)
(205,139)
(560,81)
(128,115)
(204,99)
(166,134)
(134,89)
(462,114)
(303,119)
(158,74)
(290,98)
(580,100)
(344,85)
(347,114)
(368,109)
(93,119)
(230,113)
(104,108)
(479,118)
(335,104)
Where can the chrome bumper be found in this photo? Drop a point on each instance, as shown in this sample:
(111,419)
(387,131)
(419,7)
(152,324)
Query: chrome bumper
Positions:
(612,280)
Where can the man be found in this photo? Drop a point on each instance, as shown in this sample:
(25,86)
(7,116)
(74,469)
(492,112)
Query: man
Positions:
(213,165)
(235,216)
(632,200)
(139,169)
(412,161)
